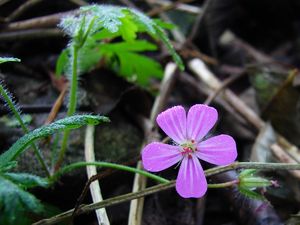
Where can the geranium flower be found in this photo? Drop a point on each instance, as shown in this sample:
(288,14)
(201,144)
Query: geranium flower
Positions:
(188,133)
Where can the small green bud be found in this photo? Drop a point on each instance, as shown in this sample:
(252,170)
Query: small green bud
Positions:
(249,182)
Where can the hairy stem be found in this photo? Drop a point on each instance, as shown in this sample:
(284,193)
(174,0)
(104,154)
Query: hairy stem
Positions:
(77,165)
(72,106)
(165,186)
(223,185)
(17,115)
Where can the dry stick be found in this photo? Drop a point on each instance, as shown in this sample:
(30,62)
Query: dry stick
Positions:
(283,156)
(204,74)
(136,206)
(224,85)
(30,34)
(2,2)
(164,8)
(39,22)
(92,171)
(181,6)
(57,105)
(198,22)
(79,2)
(160,187)
(21,9)
(128,3)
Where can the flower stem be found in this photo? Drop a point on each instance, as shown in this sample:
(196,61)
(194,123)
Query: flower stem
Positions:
(160,187)
(72,106)
(223,185)
(252,165)
(77,165)
(6,96)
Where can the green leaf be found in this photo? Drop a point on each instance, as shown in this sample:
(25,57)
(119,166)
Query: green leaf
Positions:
(27,180)
(9,59)
(138,68)
(135,67)
(8,166)
(62,62)
(15,203)
(136,46)
(68,123)
(164,25)
(88,56)
(128,29)
(119,20)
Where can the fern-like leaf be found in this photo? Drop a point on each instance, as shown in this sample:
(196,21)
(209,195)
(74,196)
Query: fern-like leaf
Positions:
(68,123)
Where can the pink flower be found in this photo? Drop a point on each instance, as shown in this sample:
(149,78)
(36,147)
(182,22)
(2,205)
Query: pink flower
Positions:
(188,133)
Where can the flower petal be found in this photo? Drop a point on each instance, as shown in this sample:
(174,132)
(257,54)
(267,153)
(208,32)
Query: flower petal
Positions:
(157,156)
(200,119)
(191,181)
(173,123)
(218,150)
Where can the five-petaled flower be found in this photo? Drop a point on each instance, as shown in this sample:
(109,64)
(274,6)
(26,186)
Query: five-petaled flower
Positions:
(188,133)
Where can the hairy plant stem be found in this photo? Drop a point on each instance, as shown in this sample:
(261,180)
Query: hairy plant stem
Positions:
(223,185)
(165,186)
(17,115)
(77,165)
(72,105)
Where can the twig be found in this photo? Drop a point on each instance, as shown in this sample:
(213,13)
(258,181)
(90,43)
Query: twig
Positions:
(136,206)
(2,2)
(57,105)
(200,69)
(91,171)
(225,84)
(30,34)
(129,4)
(204,74)
(22,8)
(199,20)
(39,22)
(283,156)
(167,7)
(181,6)
(157,188)
(79,2)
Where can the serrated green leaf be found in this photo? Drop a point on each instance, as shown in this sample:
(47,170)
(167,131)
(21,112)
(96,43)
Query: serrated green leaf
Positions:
(119,20)
(15,203)
(139,67)
(164,25)
(136,46)
(134,67)
(26,180)
(68,123)
(128,29)
(9,59)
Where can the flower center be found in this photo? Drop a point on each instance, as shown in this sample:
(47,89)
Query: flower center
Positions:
(188,148)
